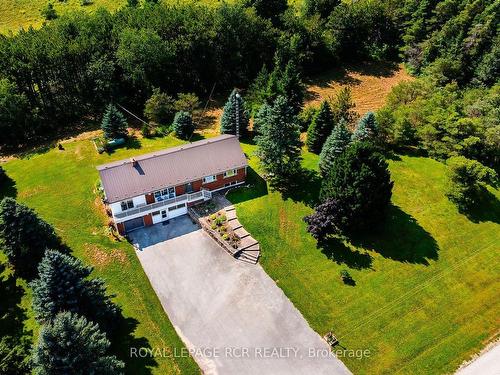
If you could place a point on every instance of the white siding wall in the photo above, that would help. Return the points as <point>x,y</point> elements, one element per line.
<point>117,207</point>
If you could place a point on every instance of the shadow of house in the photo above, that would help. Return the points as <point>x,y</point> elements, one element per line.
<point>125,345</point>
<point>256,187</point>
<point>399,237</point>
<point>303,187</point>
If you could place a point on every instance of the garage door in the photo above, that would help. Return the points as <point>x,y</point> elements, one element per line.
<point>133,224</point>
<point>178,210</point>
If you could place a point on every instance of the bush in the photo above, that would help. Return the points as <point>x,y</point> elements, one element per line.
<point>159,108</point>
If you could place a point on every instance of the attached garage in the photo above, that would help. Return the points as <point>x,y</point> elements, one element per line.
<point>178,210</point>
<point>133,224</point>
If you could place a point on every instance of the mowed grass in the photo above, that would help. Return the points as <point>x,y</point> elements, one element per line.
<point>59,185</point>
<point>426,283</point>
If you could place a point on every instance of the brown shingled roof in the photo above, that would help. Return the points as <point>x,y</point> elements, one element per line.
<point>170,167</point>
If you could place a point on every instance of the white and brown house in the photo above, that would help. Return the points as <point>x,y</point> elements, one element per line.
<point>155,187</point>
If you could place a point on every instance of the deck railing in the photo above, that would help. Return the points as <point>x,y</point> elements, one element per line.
<point>202,194</point>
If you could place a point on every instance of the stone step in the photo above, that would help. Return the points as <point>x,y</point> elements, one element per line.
<point>247,242</point>
<point>246,258</point>
<point>231,215</point>
<point>241,233</point>
<point>250,256</point>
<point>229,208</point>
<point>234,224</point>
<point>255,247</point>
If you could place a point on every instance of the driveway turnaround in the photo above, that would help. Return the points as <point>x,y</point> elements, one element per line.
<point>231,315</point>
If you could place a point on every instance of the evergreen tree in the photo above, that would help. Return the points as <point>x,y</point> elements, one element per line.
<point>279,144</point>
<point>183,125</point>
<point>24,237</point>
<point>320,128</point>
<point>359,185</point>
<point>291,87</point>
<point>366,129</point>
<point>113,123</point>
<point>63,285</point>
<point>234,113</point>
<point>335,145</point>
<point>72,345</point>
<point>159,108</point>
<point>261,118</point>
<point>343,106</point>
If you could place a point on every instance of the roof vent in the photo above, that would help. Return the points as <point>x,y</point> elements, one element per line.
<point>133,161</point>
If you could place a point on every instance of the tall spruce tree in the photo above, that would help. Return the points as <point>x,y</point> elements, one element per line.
<point>360,183</point>
<point>113,123</point>
<point>291,87</point>
<point>24,237</point>
<point>234,113</point>
<point>72,345</point>
<point>366,129</point>
<point>261,118</point>
<point>335,145</point>
<point>279,144</point>
<point>183,125</point>
<point>63,285</point>
<point>320,128</point>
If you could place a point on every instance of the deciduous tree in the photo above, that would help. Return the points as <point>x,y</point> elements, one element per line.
<point>159,108</point>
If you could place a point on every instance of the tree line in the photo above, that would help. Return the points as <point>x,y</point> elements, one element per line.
<point>55,77</point>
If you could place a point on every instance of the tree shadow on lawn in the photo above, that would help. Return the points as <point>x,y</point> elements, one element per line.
<point>399,238</point>
<point>12,316</point>
<point>335,250</point>
<point>486,208</point>
<point>127,347</point>
<point>303,187</point>
<point>7,187</point>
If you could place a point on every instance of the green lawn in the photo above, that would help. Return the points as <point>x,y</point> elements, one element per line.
<point>59,186</point>
<point>424,298</point>
<point>426,293</point>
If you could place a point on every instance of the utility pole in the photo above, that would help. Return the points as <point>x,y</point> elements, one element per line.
<point>237,108</point>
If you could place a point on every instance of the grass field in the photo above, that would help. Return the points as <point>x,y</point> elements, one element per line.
<point>15,14</point>
<point>426,283</point>
<point>59,185</point>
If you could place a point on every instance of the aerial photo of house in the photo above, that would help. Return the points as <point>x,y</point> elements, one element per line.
<point>249,187</point>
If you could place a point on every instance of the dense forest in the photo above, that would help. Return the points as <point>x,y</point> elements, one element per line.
<point>54,77</point>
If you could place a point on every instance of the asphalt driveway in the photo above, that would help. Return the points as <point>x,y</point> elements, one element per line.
<point>231,315</point>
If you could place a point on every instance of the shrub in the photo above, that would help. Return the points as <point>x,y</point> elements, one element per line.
<point>159,108</point>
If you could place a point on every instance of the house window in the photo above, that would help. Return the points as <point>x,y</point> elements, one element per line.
<point>189,187</point>
<point>164,194</point>
<point>230,173</point>
<point>208,179</point>
<point>156,213</point>
<point>127,205</point>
